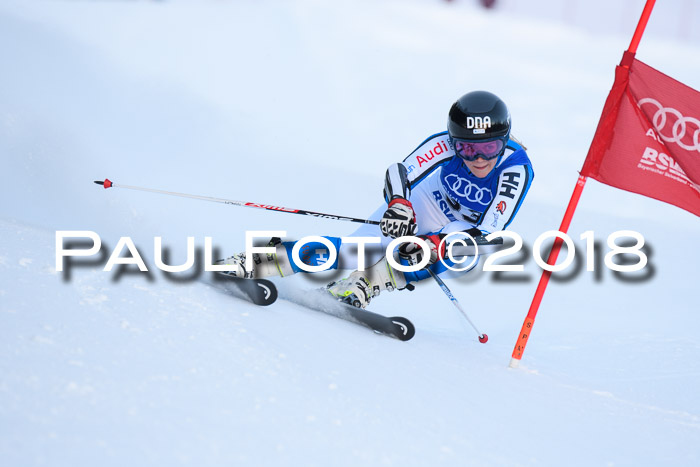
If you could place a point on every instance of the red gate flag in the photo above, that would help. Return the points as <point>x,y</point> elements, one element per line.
<point>627,153</point>
<point>648,137</point>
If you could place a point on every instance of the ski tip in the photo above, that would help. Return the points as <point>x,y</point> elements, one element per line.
<point>406,330</point>
<point>266,293</point>
<point>107,183</point>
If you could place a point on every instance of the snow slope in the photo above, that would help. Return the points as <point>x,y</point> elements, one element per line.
<point>304,103</point>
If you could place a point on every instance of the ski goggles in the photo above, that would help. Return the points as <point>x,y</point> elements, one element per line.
<point>470,150</point>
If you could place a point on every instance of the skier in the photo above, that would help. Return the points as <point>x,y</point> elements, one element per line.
<point>472,178</point>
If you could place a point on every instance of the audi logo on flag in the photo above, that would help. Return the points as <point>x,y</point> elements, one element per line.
<point>669,120</point>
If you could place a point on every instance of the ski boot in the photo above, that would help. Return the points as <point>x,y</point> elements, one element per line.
<point>360,287</point>
<point>262,265</point>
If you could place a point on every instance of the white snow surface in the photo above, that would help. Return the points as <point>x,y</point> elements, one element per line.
<point>304,104</point>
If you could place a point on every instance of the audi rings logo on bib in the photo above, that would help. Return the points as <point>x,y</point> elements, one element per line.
<point>468,190</point>
<point>674,127</point>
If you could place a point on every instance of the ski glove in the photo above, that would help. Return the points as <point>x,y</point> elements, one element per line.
<point>414,254</point>
<point>399,219</point>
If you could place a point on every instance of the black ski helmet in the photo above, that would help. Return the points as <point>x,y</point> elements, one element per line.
<point>478,116</point>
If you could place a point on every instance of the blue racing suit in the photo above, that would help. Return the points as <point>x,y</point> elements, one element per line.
<point>446,198</point>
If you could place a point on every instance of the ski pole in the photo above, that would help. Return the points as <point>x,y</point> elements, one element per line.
<point>483,338</point>
<point>107,183</point>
